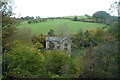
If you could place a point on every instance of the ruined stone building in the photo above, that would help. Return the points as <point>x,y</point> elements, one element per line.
<point>58,43</point>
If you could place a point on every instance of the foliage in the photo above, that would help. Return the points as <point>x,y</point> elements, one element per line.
<point>23,35</point>
<point>101,16</point>
<point>114,29</point>
<point>51,32</point>
<point>24,62</point>
<point>39,38</point>
<point>90,38</point>
<point>87,15</point>
<point>39,46</point>
<point>99,35</point>
<point>101,61</point>
<point>54,61</point>
<point>29,21</point>
<point>6,8</point>
<point>76,67</point>
<point>114,6</point>
<point>82,19</point>
<point>112,20</point>
<point>75,18</point>
<point>79,41</point>
<point>8,24</point>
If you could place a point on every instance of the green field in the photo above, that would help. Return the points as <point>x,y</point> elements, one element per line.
<point>73,26</point>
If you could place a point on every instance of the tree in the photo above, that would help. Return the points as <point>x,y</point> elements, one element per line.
<point>101,61</point>
<point>55,62</point>
<point>75,18</point>
<point>101,16</point>
<point>8,24</point>
<point>8,28</point>
<point>115,7</point>
<point>51,32</point>
<point>87,15</point>
<point>76,67</point>
<point>62,30</point>
<point>114,29</point>
<point>24,61</point>
<point>39,38</point>
<point>91,37</point>
<point>27,18</point>
<point>23,35</point>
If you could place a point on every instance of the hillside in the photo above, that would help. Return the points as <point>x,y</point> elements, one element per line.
<point>72,26</point>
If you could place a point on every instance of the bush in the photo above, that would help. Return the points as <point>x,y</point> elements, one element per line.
<point>99,35</point>
<point>76,67</point>
<point>39,38</point>
<point>39,46</point>
<point>30,21</point>
<point>114,29</point>
<point>24,62</point>
<point>54,62</point>
<point>75,18</point>
<point>101,61</point>
<point>23,35</point>
<point>60,65</point>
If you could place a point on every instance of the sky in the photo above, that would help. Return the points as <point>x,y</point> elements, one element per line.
<point>58,8</point>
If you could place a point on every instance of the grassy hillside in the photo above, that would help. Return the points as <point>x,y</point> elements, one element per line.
<point>73,26</point>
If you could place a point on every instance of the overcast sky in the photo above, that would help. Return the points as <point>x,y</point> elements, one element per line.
<point>56,8</point>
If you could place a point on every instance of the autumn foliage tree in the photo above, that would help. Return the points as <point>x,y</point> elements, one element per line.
<point>8,23</point>
<point>24,61</point>
<point>39,38</point>
<point>101,61</point>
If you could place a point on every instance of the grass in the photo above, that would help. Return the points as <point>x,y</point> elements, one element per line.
<point>73,26</point>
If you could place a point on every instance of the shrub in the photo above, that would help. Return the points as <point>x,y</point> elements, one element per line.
<point>39,46</point>
<point>30,21</point>
<point>39,38</point>
<point>114,29</point>
<point>75,18</point>
<point>101,61</point>
<point>99,35</point>
<point>76,67</point>
<point>24,62</point>
<point>23,35</point>
<point>54,62</point>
